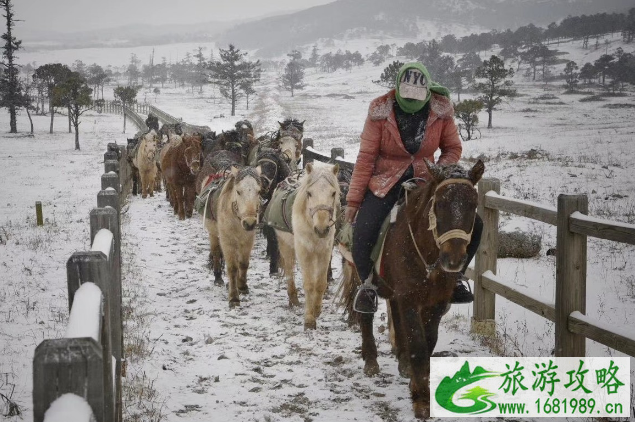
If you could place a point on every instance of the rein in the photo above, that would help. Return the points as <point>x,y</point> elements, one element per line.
<point>432,224</point>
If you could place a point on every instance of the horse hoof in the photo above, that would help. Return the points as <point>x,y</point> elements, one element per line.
<point>421,410</point>
<point>371,368</point>
<point>219,282</point>
<point>234,303</point>
<point>144,196</point>
<point>444,354</point>
<point>244,290</point>
<point>310,325</point>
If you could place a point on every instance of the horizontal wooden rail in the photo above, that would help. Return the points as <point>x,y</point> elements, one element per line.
<point>523,208</point>
<point>622,340</point>
<point>602,229</point>
<point>513,294</point>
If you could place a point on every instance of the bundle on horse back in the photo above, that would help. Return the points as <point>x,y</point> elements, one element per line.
<point>432,230</point>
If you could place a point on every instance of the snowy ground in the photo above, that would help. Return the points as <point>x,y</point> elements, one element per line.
<point>202,361</point>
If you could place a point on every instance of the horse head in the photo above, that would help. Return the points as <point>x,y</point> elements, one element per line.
<point>244,186</point>
<point>292,151</point>
<point>321,193</point>
<point>193,152</point>
<point>274,169</point>
<point>452,210</point>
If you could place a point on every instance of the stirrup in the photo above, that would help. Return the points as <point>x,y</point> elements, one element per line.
<point>366,301</point>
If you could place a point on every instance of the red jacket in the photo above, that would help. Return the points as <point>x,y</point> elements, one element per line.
<point>383,159</point>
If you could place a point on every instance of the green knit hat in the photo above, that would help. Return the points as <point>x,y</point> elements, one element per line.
<point>418,81</point>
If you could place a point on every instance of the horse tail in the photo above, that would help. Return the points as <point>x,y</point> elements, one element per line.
<point>348,284</point>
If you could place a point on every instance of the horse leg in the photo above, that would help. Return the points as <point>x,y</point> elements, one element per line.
<point>314,286</point>
<point>288,263</point>
<point>135,181</point>
<point>157,179</point>
<point>215,255</point>
<point>232,272</point>
<point>190,195</point>
<point>243,265</point>
<point>151,184</point>
<point>419,357</point>
<point>178,200</point>
<point>272,248</point>
<point>144,184</point>
<point>369,347</point>
<point>398,340</point>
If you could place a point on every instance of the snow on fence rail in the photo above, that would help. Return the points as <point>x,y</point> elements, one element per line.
<point>573,227</point>
<point>116,107</point>
<point>136,119</point>
<point>88,362</point>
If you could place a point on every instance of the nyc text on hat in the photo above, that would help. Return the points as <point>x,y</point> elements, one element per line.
<point>413,85</point>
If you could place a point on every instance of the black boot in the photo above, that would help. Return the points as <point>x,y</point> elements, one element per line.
<point>365,301</point>
<point>461,293</point>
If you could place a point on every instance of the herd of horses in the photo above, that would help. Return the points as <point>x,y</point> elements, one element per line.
<point>238,182</point>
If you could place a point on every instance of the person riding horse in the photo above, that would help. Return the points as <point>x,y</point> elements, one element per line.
<point>403,127</point>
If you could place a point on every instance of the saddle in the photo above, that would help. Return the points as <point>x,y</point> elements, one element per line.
<point>205,202</point>
<point>280,207</point>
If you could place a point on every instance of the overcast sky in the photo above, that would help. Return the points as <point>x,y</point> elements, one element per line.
<point>73,15</point>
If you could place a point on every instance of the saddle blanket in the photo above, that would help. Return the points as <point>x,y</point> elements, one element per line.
<point>280,207</point>
<point>206,200</point>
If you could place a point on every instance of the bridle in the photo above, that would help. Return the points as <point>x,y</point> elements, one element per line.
<point>323,207</point>
<point>432,224</point>
<point>264,176</point>
<point>249,172</point>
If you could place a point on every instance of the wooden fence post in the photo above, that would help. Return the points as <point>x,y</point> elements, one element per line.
<point>93,266</point>
<point>110,180</point>
<point>571,262</point>
<point>337,152</point>
<point>111,165</point>
<point>111,155</point>
<point>106,218</point>
<point>68,366</point>
<point>306,143</point>
<point>39,218</point>
<point>484,319</point>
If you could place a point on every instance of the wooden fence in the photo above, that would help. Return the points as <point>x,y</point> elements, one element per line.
<point>568,311</point>
<point>309,154</point>
<point>115,107</point>
<point>573,227</point>
<point>89,361</point>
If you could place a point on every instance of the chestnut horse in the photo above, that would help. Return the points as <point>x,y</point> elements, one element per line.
<point>180,165</point>
<point>431,232</point>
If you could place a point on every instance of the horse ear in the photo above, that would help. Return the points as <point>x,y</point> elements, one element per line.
<point>336,168</point>
<point>476,172</point>
<point>259,170</point>
<point>234,171</point>
<point>302,123</point>
<point>309,168</point>
<point>433,169</point>
<point>281,124</point>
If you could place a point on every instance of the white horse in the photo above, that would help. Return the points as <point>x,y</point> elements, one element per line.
<point>231,228</point>
<point>145,161</point>
<point>313,217</point>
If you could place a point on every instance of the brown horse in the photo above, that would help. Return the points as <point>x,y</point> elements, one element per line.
<point>180,165</point>
<point>423,252</point>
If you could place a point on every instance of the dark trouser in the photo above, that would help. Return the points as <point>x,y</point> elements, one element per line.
<point>370,217</point>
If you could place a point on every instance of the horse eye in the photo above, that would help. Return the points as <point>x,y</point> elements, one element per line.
<point>239,192</point>
<point>333,195</point>
<point>309,194</point>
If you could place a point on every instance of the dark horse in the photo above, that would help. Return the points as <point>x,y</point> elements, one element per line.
<point>274,169</point>
<point>423,252</point>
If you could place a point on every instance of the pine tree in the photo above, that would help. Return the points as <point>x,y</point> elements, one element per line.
<point>231,71</point>
<point>51,75</point>
<point>467,112</point>
<point>12,94</point>
<point>496,85</point>
<point>74,94</point>
<point>571,76</point>
<point>293,77</point>
<point>128,96</point>
<point>388,77</point>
